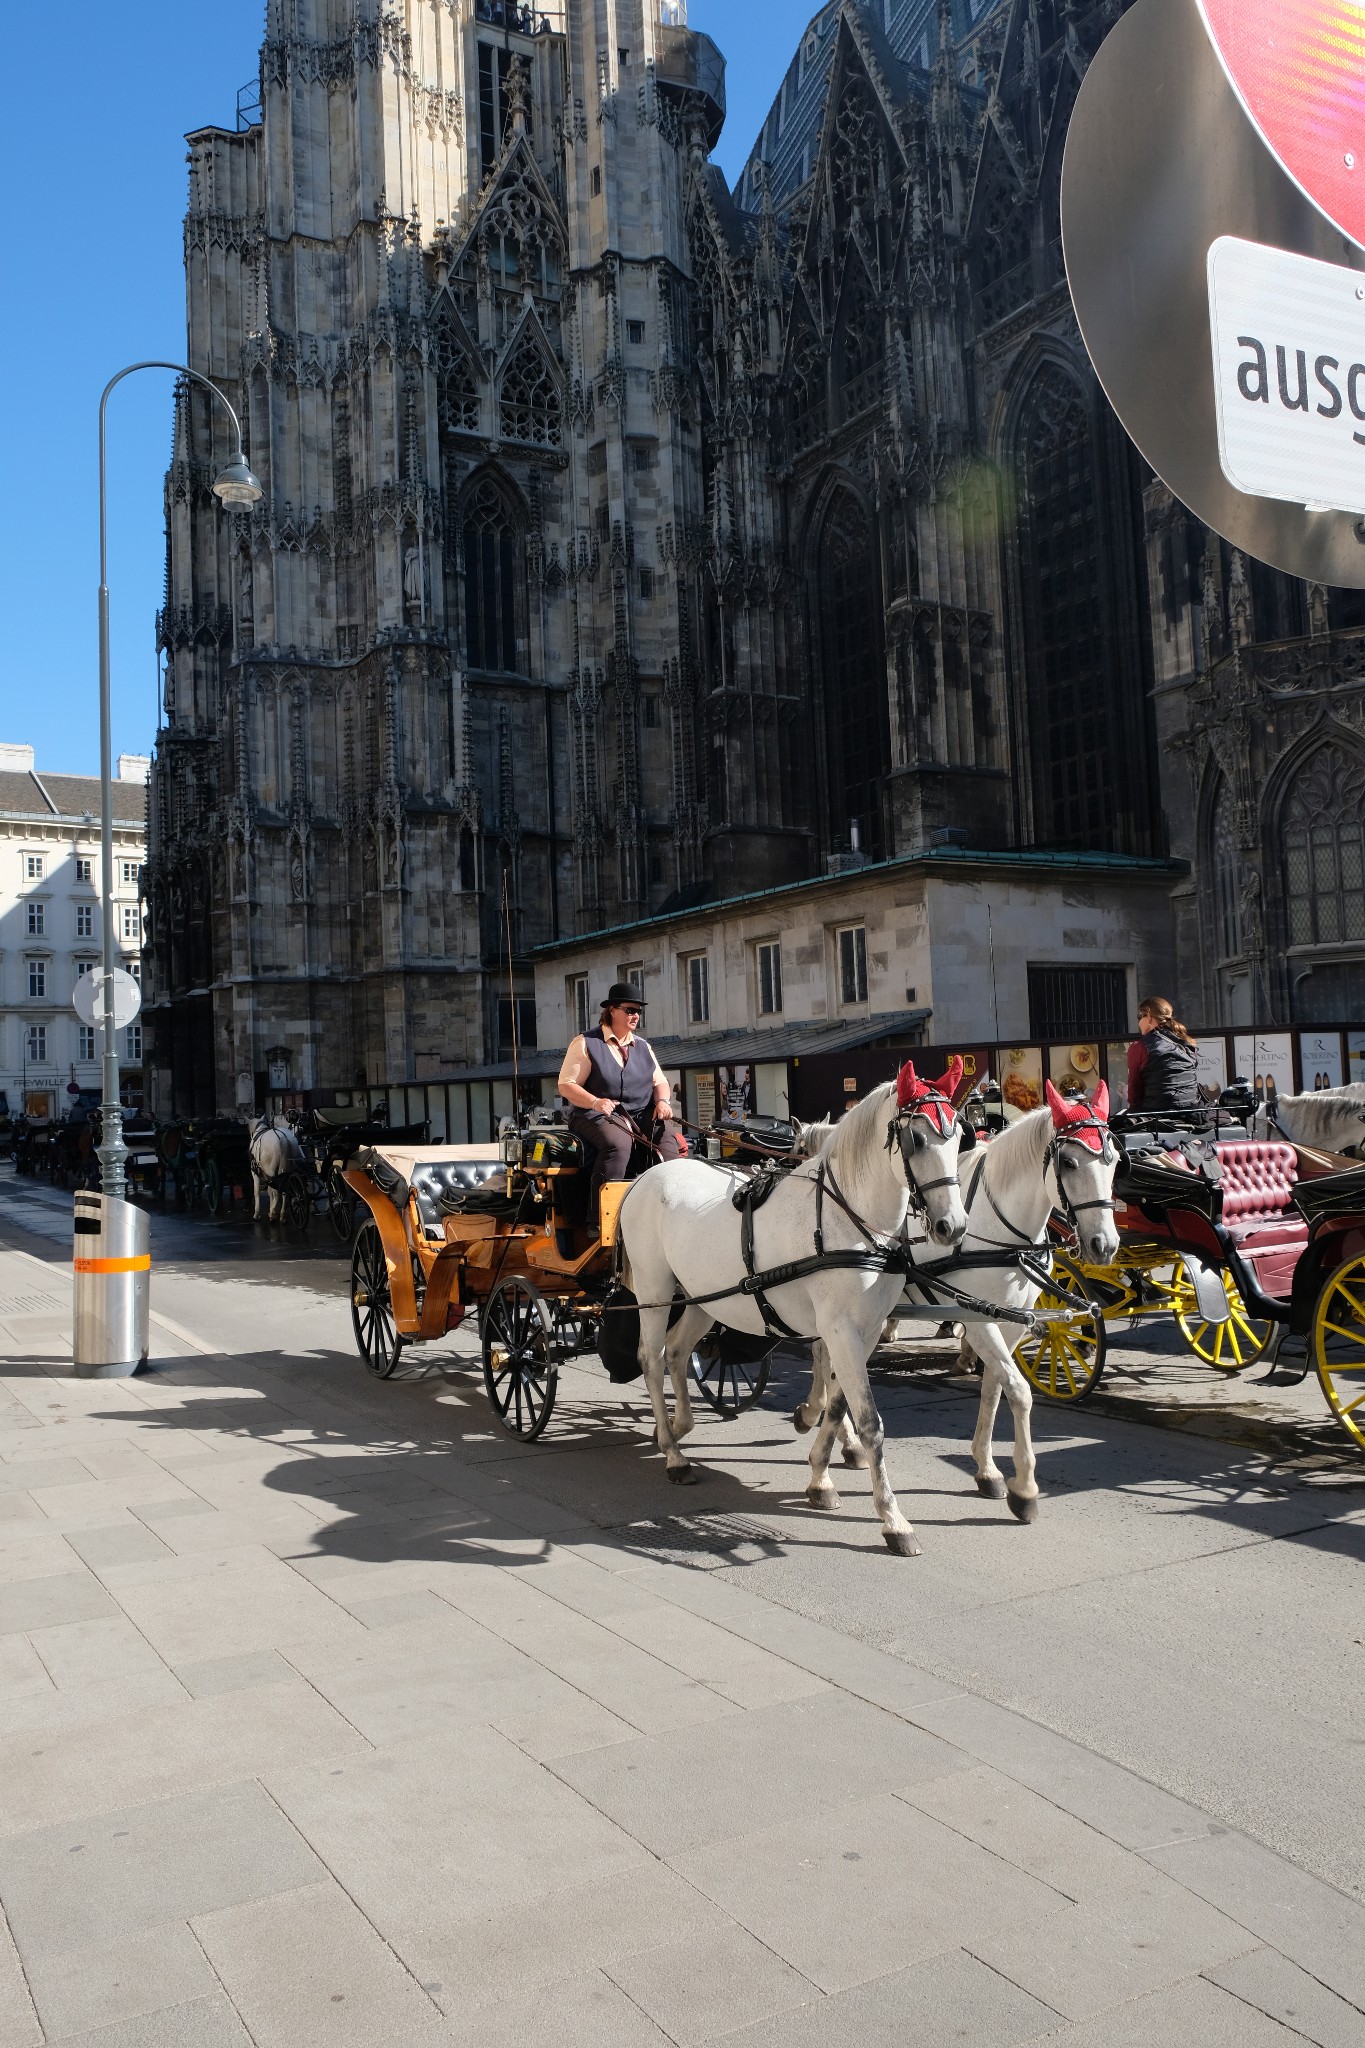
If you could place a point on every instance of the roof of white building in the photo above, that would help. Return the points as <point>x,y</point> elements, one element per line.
<point>71,797</point>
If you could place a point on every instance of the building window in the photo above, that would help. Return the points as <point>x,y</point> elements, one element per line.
<point>37,919</point>
<point>133,967</point>
<point>649,707</point>
<point>490,582</point>
<point>769,979</point>
<point>603,523</point>
<point>635,332</point>
<point>85,1042</point>
<point>37,977</point>
<point>1324,851</point>
<point>85,920</point>
<point>579,1008</point>
<point>642,455</point>
<point>130,874</point>
<point>857,729</point>
<point>35,1042</point>
<point>646,583</point>
<point>525,1018</point>
<point>84,870</point>
<point>698,970</point>
<point>852,942</point>
<point>132,1044</point>
<point>34,867</point>
<point>494,65</point>
<point>1066,1003</point>
<point>132,924</point>
<point>84,967</point>
<point>530,409</point>
<point>633,975</point>
<point>1227,879</point>
<point>1074,797</point>
<point>596,180</point>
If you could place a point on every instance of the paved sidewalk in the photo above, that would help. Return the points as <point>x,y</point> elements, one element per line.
<point>323,1720</point>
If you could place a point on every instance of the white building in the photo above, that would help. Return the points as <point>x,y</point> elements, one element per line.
<point>51,921</point>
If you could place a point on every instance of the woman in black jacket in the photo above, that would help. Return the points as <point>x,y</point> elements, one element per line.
<point>1163,1064</point>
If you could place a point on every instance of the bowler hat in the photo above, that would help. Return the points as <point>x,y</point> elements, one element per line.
<point>622,992</point>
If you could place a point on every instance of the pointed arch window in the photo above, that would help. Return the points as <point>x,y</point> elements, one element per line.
<point>1323,839</point>
<point>492,567</point>
<point>530,407</point>
<point>457,390</point>
<point>1074,783</point>
<point>860,349</point>
<point>857,726</point>
<point>1227,879</point>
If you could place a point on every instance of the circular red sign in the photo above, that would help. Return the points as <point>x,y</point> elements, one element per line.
<point>1298,67</point>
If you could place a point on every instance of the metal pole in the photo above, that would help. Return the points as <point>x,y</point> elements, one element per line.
<point>112,1151</point>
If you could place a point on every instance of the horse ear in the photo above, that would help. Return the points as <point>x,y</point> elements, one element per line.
<point>906,1083</point>
<point>948,1084</point>
<point>1056,1104</point>
<point>1099,1101</point>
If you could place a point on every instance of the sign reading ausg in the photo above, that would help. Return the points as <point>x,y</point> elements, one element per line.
<point>1289,374</point>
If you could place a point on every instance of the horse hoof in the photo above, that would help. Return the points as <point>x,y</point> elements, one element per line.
<point>901,1543</point>
<point>856,1457</point>
<point>991,1489</point>
<point>1022,1510</point>
<point>823,1497</point>
<point>682,1475</point>
<point>799,1423</point>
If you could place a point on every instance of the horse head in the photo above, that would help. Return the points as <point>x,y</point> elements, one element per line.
<point>927,1130</point>
<point>1085,1159</point>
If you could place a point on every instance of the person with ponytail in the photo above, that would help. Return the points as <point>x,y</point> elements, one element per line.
<point>1163,1063</point>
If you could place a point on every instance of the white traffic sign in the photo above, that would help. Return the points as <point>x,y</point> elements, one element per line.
<point>1289,375</point>
<point>88,999</point>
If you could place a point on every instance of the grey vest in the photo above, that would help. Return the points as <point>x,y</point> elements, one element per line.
<point>631,1085</point>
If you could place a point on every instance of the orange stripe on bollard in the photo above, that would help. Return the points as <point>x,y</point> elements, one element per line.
<point>142,1264</point>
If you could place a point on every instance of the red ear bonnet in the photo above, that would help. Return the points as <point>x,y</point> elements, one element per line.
<point>1087,1115</point>
<point>908,1085</point>
<point>933,1098</point>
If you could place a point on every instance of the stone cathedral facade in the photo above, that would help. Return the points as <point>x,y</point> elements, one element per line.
<point>630,542</point>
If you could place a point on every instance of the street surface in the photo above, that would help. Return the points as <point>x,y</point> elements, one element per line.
<point>328,1715</point>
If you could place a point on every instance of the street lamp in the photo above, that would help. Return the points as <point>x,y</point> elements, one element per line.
<point>235,485</point>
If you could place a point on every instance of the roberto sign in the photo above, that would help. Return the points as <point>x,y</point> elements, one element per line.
<point>1298,67</point>
<point>1289,374</point>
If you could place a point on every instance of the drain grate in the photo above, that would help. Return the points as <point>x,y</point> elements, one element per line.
<point>29,1304</point>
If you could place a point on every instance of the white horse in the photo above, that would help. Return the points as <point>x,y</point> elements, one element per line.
<point>679,1229</point>
<point>1332,1119</point>
<point>1061,1157</point>
<point>275,1151</point>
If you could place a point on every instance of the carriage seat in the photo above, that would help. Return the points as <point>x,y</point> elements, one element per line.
<point>440,1176</point>
<point>1258,1181</point>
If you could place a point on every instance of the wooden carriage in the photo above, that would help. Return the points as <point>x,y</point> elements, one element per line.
<point>504,1232</point>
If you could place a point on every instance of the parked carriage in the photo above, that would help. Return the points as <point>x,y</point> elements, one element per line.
<point>1256,1246</point>
<point>504,1232</point>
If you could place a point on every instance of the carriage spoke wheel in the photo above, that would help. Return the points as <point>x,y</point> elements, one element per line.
<point>1230,1346</point>
<point>213,1187</point>
<point>727,1386</point>
<point>298,1202</point>
<point>520,1358</point>
<point>1339,1347</point>
<point>376,1334</point>
<point>341,1208</point>
<point>1063,1360</point>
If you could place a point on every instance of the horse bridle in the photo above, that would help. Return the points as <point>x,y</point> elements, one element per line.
<point>938,1111</point>
<point>1105,1150</point>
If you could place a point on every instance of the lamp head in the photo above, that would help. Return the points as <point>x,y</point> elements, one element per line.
<point>236,484</point>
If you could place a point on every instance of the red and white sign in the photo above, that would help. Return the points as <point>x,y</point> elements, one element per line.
<point>1298,67</point>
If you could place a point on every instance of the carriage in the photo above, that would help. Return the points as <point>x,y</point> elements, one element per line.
<point>504,1233</point>
<point>1255,1245</point>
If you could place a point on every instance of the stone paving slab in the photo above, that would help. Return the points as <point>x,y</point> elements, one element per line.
<point>326,1717</point>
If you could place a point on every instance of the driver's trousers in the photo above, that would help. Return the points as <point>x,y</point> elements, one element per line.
<point>612,1142</point>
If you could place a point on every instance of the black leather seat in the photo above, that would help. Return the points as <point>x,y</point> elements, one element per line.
<point>441,1186</point>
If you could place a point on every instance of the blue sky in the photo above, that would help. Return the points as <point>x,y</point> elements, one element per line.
<point>93,158</point>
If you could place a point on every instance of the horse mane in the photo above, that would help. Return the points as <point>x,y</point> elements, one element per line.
<point>855,1143</point>
<point>1027,1136</point>
<point>1326,1118</point>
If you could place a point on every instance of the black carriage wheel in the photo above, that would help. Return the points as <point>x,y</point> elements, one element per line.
<point>213,1187</point>
<point>341,1208</point>
<point>726,1385</point>
<point>376,1334</point>
<point>520,1358</point>
<point>298,1202</point>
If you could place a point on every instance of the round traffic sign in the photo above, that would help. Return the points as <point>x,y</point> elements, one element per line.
<point>88,999</point>
<point>1298,67</point>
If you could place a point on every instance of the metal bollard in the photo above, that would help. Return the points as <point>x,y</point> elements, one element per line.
<point>113,1273</point>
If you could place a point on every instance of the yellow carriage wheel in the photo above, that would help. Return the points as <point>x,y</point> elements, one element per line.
<point>1339,1346</point>
<point>1230,1346</point>
<point>1063,1360</point>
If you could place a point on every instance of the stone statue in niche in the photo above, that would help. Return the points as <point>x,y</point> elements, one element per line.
<point>245,593</point>
<point>412,575</point>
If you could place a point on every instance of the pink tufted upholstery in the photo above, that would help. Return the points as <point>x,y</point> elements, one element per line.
<point>1258,1185</point>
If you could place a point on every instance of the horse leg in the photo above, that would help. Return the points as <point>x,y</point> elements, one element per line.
<point>653,1343</point>
<point>809,1411</point>
<point>258,1194</point>
<point>820,1490</point>
<point>685,1334</point>
<point>990,1480</point>
<point>1001,1367</point>
<point>851,1370</point>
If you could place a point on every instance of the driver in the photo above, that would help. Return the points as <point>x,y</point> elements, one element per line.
<point>611,1079</point>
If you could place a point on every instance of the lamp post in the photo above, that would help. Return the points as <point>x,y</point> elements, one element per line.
<point>234,485</point>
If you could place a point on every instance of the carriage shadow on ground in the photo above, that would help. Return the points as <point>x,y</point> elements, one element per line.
<point>415,1470</point>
